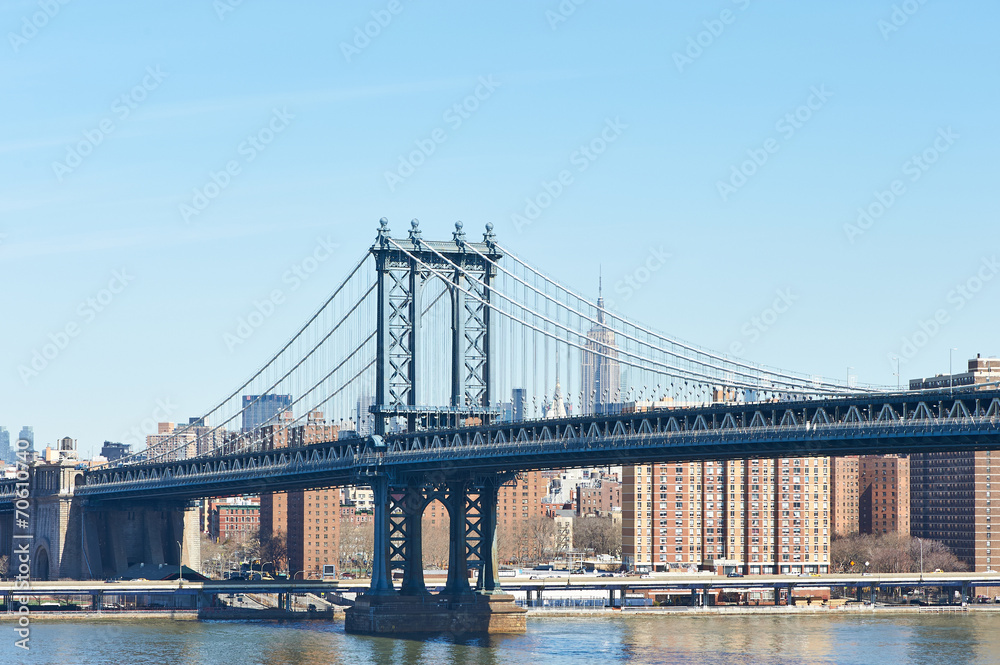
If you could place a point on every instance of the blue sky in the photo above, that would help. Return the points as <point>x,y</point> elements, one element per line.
<point>829,102</point>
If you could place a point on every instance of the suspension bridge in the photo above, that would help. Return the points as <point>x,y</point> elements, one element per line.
<point>438,370</point>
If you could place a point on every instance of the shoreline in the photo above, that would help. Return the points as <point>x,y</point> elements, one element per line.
<point>561,613</point>
<point>639,612</point>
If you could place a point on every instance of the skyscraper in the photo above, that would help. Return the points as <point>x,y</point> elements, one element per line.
<point>602,375</point>
<point>6,452</point>
<point>28,434</point>
<point>261,409</point>
<point>517,401</point>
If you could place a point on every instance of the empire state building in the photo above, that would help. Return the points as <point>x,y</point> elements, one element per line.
<point>602,375</point>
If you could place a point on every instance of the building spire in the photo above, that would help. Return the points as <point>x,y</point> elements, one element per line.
<point>600,294</point>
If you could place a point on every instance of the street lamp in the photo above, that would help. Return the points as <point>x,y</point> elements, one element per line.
<point>180,562</point>
<point>951,377</point>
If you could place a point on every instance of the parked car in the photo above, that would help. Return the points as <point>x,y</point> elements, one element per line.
<point>735,573</point>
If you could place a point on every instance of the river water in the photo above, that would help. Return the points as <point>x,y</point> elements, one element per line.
<point>931,639</point>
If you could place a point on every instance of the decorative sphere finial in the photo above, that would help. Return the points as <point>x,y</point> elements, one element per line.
<point>384,222</point>
<point>458,226</point>
<point>414,223</point>
<point>489,227</point>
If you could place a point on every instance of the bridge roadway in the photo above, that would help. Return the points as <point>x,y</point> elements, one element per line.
<point>659,581</point>
<point>905,422</point>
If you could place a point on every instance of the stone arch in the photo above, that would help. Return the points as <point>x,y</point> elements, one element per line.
<point>40,564</point>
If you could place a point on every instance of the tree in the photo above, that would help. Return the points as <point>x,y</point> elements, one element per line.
<point>890,553</point>
<point>357,546</point>
<point>540,535</point>
<point>275,548</point>
<point>600,534</point>
<point>435,544</point>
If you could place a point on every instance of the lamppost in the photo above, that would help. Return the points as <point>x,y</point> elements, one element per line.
<point>297,572</point>
<point>180,562</point>
<point>951,377</point>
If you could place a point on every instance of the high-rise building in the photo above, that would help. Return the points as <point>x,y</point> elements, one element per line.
<point>364,419</point>
<point>884,504</point>
<point>261,409</point>
<point>756,516</point>
<point>27,434</point>
<point>309,519</point>
<point>950,501</point>
<point>845,495</point>
<point>170,444</point>
<point>601,373</point>
<point>950,492</point>
<point>517,402</point>
<point>7,454</point>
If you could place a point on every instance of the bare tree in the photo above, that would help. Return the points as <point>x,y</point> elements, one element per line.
<point>890,553</point>
<point>275,548</point>
<point>435,545</point>
<point>600,534</point>
<point>357,546</point>
<point>540,533</point>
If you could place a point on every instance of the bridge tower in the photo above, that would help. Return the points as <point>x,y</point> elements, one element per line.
<point>404,269</point>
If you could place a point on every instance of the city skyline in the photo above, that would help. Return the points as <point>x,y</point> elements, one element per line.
<point>748,182</point>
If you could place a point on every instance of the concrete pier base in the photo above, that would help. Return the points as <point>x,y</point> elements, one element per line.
<point>466,614</point>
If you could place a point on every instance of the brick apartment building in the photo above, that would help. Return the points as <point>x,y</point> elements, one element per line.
<point>884,503</point>
<point>756,516</point>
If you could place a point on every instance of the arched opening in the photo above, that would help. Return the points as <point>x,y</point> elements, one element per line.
<point>436,536</point>
<point>40,565</point>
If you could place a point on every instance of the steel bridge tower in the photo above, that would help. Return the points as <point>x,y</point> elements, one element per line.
<point>404,269</point>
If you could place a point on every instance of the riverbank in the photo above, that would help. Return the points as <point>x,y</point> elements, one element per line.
<point>208,614</point>
<point>813,610</point>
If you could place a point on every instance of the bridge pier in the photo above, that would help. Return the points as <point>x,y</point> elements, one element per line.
<point>471,503</point>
